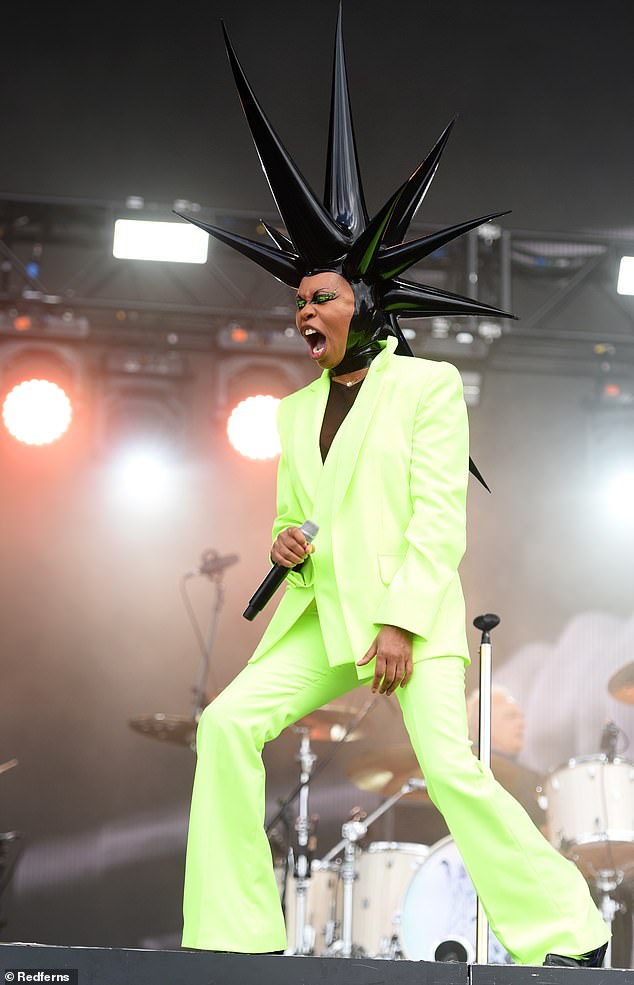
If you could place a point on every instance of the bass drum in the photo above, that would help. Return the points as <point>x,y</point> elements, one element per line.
<point>440,905</point>
<point>385,870</point>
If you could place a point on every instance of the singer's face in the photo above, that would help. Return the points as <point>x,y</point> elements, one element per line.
<point>325,306</point>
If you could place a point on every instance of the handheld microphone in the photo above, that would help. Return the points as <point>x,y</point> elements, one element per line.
<point>276,576</point>
<point>212,564</point>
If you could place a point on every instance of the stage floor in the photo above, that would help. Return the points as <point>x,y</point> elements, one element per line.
<point>31,963</point>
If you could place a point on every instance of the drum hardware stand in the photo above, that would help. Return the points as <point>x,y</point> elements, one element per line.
<point>606,883</point>
<point>350,728</point>
<point>354,831</point>
<point>485,623</point>
<point>302,871</point>
<point>302,864</point>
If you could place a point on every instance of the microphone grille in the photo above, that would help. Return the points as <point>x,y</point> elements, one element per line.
<point>309,529</point>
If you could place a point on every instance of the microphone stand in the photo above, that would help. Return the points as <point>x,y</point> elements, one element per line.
<point>485,623</point>
<point>206,645</point>
<point>199,690</point>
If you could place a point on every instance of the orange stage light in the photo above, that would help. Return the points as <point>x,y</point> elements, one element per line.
<point>37,412</point>
<point>252,429</point>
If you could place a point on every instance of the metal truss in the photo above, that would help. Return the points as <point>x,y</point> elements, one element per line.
<point>58,279</point>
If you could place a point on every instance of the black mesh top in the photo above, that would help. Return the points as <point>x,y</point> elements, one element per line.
<point>340,400</point>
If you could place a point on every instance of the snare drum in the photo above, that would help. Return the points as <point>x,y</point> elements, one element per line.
<point>590,813</point>
<point>440,905</point>
<point>323,902</point>
<point>385,869</point>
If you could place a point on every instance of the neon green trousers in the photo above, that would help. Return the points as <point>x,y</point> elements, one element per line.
<point>536,901</point>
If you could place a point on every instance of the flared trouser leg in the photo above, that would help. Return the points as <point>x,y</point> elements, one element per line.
<point>231,899</point>
<point>536,901</point>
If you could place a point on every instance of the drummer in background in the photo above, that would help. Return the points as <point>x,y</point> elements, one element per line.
<point>507,721</point>
<point>507,742</point>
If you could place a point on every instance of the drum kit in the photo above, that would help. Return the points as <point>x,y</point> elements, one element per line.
<point>391,899</point>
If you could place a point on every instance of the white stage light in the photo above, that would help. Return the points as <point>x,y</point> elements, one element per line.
<point>144,239</point>
<point>619,494</point>
<point>625,283</point>
<point>252,429</point>
<point>142,477</point>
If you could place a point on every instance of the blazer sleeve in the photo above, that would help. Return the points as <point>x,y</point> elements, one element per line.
<point>436,532</point>
<point>288,508</point>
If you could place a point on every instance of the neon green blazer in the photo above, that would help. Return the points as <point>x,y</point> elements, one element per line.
<point>390,502</point>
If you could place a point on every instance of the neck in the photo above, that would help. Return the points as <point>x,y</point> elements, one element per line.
<point>349,379</point>
<point>357,359</point>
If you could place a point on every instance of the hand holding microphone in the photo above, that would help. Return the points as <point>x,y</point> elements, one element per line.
<point>290,550</point>
<point>291,547</point>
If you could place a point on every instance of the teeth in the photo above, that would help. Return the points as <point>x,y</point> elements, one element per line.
<point>310,331</point>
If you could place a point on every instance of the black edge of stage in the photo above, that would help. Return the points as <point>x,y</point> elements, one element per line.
<point>118,966</point>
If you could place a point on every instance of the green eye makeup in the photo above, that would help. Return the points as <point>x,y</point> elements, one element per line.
<point>318,298</point>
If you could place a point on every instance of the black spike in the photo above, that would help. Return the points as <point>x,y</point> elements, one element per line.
<point>343,195</point>
<point>286,267</point>
<point>280,240</point>
<point>361,257</point>
<point>409,300</point>
<point>393,261</point>
<point>316,236</point>
<point>415,190</point>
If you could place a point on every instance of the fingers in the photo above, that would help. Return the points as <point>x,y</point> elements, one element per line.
<point>291,548</point>
<point>368,657</point>
<point>379,671</point>
<point>409,670</point>
<point>394,674</point>
<point>390,672</point>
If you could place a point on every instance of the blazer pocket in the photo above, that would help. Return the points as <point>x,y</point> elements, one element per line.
<point>389,565</point>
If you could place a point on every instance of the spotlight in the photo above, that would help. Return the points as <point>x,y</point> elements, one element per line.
<point>38,387</point>
<point>36,412</point>
<point>252,429</point>
<point>143,239</point>
<point>619,496</point>
<point>625,284</point>
<point>142,476</point>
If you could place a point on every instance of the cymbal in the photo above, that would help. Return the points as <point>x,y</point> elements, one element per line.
<point>328,724</point>
<point>385,771</point>
<point>177,729</point>
<point>621,684</point>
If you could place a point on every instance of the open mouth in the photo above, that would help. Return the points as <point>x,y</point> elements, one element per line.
<point>317,343</point>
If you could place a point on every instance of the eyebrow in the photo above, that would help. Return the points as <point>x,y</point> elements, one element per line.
<point>318,290</point>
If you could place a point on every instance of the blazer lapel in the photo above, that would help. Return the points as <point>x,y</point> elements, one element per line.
<point>306,429</point>
<point>361,414</point>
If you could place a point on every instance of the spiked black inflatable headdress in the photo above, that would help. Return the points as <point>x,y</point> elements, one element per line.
<point>339,235</point>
